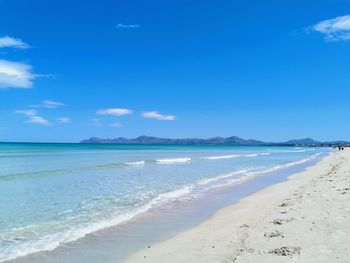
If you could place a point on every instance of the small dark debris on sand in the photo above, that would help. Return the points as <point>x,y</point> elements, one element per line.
<point>284,204</point>
<point>274,234</point>
<point>286,251</point>
<point>280,221</point>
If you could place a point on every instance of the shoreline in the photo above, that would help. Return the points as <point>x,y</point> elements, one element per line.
<point>268,225</point>
<point>116,243</point>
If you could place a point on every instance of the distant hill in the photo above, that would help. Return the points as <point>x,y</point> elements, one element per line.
<point>190,141</point>
<point>233,140</point>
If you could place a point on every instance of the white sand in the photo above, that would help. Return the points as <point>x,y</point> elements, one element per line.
<point>305,219</point>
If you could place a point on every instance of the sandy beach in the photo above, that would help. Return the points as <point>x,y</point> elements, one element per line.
<point>304,219</point>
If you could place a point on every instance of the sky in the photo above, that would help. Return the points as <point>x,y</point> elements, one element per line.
<point>269,70</point>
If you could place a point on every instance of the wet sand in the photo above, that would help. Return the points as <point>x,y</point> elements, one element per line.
<point>304,219</point>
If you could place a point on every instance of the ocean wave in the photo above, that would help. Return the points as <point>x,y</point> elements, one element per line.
<point>90,168</point>
<point>256,154</point>
<point>52,241</point>
<point>251,155</point>
<point>249,175</point>
<point>71,170</point>
<point>251,172</point>
<point>221,157</point>
<point>287,165</point>
<point>60,171</point>
<point>173,160</point>
<point>121,165</point>
<point>224,176</point>
<point>139,163</point>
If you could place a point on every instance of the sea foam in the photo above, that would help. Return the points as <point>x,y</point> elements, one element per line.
<point>221,157</point>
<point>113,193</point>
<point>173,160</point>
<point>139,163</point>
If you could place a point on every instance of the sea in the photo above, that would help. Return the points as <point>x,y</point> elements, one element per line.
<point>55,194</point>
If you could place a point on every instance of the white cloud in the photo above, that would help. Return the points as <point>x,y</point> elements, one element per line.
<point>131,26</point>
<point>38,120</point>
<point>12,43</point>
<point>335,29</point>
<point>33,117</point>
<point>156,115</point>
<point>63,120</point>
<point>26,112</point>
<point>15,75</point>
<point>114,112</point>
<point>49,104</point>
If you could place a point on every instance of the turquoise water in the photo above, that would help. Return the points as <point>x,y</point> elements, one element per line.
<point>56,193</point>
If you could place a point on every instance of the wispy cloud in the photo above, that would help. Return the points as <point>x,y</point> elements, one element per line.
<point>63,120</point>
<point>49,104</point>
<point>33,117</point>
<point>335,29</point>
<point>116,124</point>
<point>10,42</point>
<point>38,120</point>
<point>156,115</point>
<point>130,26</point>
<point>114,112</point>
<point>26,112</point>
<point>16,75</point>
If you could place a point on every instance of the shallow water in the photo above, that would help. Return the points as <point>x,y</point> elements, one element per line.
<point>53,194</point>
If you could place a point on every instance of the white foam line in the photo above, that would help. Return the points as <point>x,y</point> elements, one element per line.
<point>49,243</point>
<point>173,160</point>
<point>255,154</point>
<point>139,163</point>
<point>249,173</point>
<point>251,155</point>
<point>221,157</point>
<point>277,167</point>
<point>223,176</point>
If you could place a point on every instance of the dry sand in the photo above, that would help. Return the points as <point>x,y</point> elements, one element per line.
<point>305,219</point>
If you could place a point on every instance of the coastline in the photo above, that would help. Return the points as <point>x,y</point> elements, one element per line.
<point>116,243</point>
<point>288,221</point>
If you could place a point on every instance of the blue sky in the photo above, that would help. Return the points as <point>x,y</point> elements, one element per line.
<point>270,70</point>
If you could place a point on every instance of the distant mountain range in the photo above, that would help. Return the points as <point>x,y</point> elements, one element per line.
<point>234,140</point>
